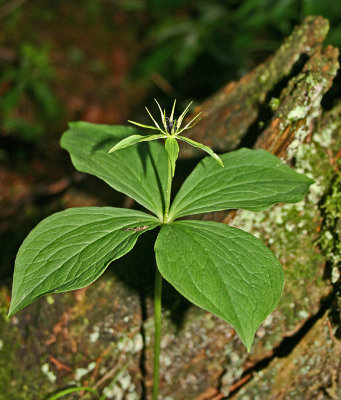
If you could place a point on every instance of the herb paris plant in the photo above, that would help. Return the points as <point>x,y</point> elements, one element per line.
<point>220,268</point>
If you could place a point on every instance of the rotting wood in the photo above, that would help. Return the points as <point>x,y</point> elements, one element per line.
<point>229,114</point>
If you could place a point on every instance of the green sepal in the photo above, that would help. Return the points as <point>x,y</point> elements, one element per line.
<point>203,147</point>
<point>133,139</point>
<point>172,148</point>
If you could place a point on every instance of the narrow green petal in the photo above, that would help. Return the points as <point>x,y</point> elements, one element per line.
<point>143,126</point>
<point>153,119</point>
<point>163,117</point>
<point>193,119</point>
<point>191,126</point>
<point>207,149</point>
<point>165,123</point>
<point>174,128</point>
<point>191,123</point>
<point>172,114</point>
<point>182,116</point>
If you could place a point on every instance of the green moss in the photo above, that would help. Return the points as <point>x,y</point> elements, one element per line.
<point>274,103</point>
<point>21,377</point>
<point>56,328</point>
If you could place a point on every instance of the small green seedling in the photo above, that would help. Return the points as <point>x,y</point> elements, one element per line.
<point>219,268</point>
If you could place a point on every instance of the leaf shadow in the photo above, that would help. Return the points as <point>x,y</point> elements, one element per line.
<point>104,145</point>
<point>137,271</point>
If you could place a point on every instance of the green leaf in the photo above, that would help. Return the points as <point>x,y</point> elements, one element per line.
<point>172,149</point>
<point>252,180</point>
<point>71,249</point>
<point>223,270</point>
<point>138,171</point>
<point>134,139</point>
<point>207,149</point>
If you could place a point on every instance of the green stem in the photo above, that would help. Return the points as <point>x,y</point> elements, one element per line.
<point>157,335</point>
<point>157,297</point>
<point>74,390</point>
<point>168,191</point>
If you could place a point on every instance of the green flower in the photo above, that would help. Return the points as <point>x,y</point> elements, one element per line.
<point>171,126</point>
<point>170,132</point>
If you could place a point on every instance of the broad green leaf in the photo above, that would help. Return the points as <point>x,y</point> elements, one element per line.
<point>200,146</point>
<point>138,171</point>
<point>172,149</point>
<point>134,139</point>
<point>223,270</point>
<point>251,179</point>
<point>71,249</point>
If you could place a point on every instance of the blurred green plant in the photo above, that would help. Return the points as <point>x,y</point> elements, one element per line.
<point>219,40</point>
<point>27,101</point>
<point>71,390</point>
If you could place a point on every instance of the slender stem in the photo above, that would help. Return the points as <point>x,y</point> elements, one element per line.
<point>168,191</point>
<point>157,297</point>
<point>157,337</point>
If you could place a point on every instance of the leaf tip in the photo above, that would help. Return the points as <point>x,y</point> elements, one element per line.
<point>247,341</point>
<point>12,310</point>
<point>218,159</point>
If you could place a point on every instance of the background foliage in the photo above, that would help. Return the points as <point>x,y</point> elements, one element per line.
<point>162,44</point>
